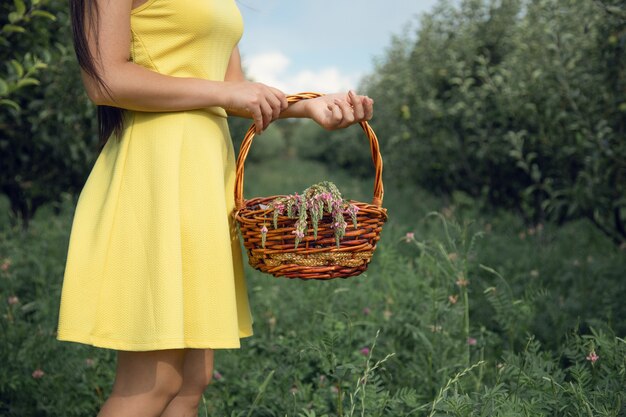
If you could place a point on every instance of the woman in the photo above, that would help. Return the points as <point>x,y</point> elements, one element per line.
<point>154,267</point>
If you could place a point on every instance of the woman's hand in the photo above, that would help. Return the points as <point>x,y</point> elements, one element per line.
<point>262,103</point>
<point>336,111</point>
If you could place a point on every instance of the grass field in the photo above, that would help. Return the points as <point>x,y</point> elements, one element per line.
<point>463,312</point>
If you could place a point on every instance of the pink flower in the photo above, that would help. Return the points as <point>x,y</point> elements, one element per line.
<point>264,229</point>
<point>461,281</point>
<point>5,265</point>
<point>12,300</point>
<point>38,373</point>
<point>216,375</point>
<point>592,357</point>
<point>471,341</point>
<point>365,351</point>
<point>352,209</point>
<point>409,237</point>
<point>366,311</point>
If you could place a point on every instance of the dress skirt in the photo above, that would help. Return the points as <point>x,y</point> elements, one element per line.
<point>154,260</point>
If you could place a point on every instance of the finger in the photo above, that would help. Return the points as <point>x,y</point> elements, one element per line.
<point>368,107</point>
<point>336,115</point>
<point>257,116</point>
<point>281,97</point>
<point>275,104</point>
<point>267,112</point>
<point>347,113</point>
<point>357,106</point>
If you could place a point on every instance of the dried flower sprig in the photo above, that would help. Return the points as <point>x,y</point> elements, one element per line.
<point>314,202</point>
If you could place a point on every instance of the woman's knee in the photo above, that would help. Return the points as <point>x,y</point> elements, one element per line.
<point>158,374</point>
<point>198,370</point>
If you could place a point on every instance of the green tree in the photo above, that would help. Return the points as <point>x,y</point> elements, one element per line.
<point>20,67</point>
<point>521,102</point>
<point>47,131</point>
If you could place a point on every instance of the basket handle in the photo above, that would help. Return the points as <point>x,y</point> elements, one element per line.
<point>369,132</point>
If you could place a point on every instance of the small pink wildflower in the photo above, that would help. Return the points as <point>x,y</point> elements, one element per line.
<point>592,357</point>
<point>216,375</point>
<point>472,341</point>
<point>38,373</point>
<point>298,233</point>
<point>409,237</point>
<point>264,229</point>
<point>365,351</point>
<point>12,300</point>
<point>5,265</point>
<point>461,281</point>
<point>366,311</point>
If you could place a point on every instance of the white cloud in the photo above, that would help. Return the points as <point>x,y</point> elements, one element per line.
<point>272,68</point>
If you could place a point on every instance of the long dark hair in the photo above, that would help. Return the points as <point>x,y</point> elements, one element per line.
<point>85,15</point>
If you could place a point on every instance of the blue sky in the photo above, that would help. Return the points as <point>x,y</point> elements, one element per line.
<point>320,45</point>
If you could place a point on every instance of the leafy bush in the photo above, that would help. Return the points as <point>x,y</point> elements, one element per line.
<point>47,132</point>
<point>519,102</point>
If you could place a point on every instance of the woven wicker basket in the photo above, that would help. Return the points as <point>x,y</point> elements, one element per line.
<point>317,258</point>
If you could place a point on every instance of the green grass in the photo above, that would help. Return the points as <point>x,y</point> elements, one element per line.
<point>536,304</point>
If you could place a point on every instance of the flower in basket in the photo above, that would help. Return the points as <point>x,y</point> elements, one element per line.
<point>315,202</point>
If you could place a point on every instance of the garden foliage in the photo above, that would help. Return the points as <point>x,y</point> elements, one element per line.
<point>521,103</point>
<point>452,318</point>
<point>47,124</point>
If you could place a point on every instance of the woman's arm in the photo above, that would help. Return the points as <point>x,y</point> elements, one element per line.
<point>332,111</point>
<point>134,87</point>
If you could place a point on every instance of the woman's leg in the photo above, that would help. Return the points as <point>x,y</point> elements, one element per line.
<point>198,370</point>
<point>145,383</point>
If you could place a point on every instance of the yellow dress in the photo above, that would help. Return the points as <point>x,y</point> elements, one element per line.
<point>154,260</point>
